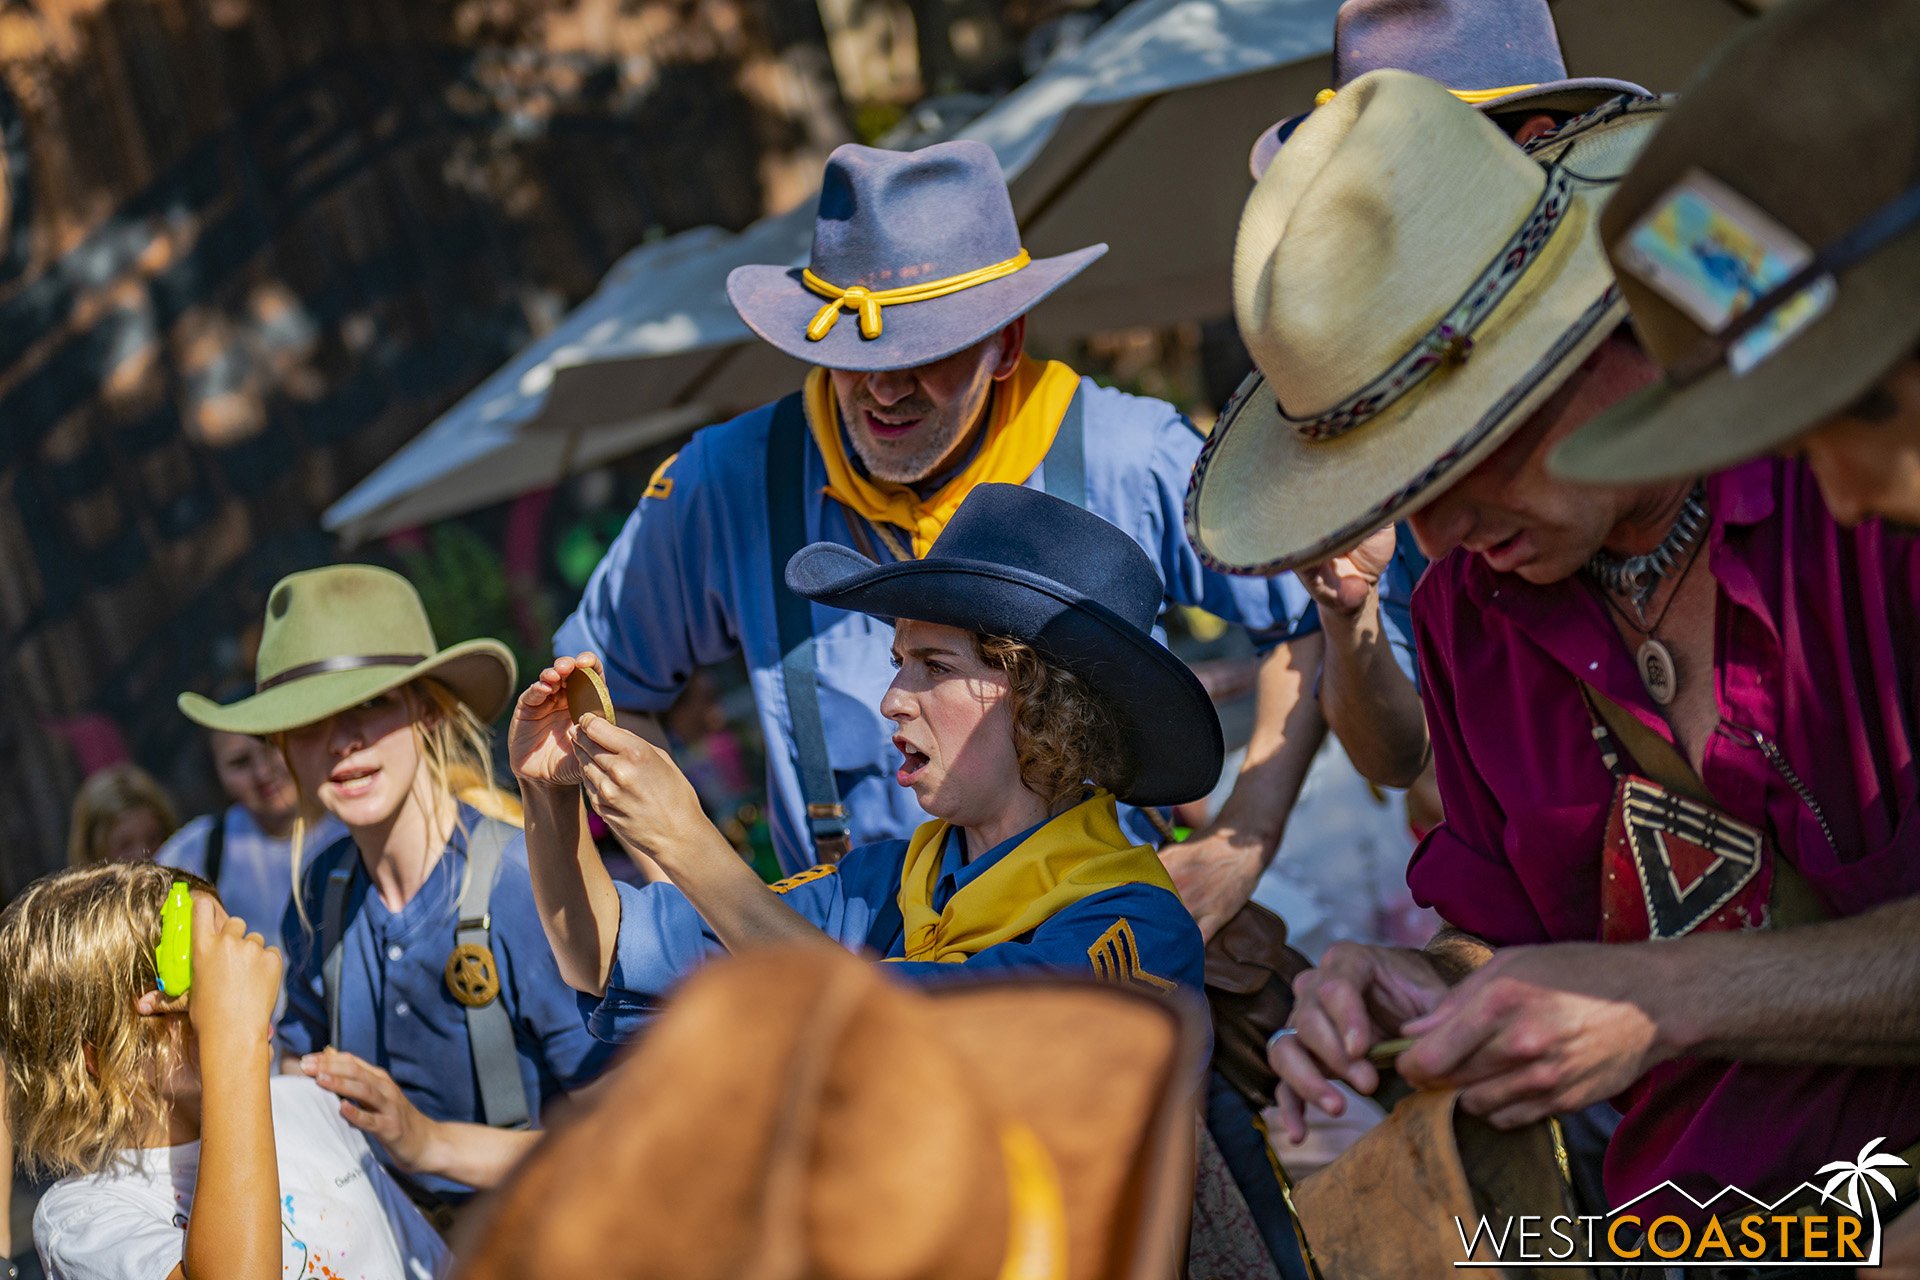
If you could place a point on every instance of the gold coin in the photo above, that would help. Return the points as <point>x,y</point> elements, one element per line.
<point>586,691</point>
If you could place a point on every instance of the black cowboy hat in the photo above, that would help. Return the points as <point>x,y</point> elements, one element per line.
<point>1018,562</point>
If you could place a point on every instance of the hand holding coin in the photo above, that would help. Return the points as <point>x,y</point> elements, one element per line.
<point>586,691</point>
<point>541,735</point>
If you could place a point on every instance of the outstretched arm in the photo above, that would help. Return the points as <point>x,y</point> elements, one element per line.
<point>233,1231</point>
<point>1540,1030</point>
<point>579,907</point>
<point>653,810</point>
<point>1215,872</point>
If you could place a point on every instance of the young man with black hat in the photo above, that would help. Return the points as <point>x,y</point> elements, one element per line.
<point>912,312</point>
<point>1029,698</point>
<point>1652,715</point>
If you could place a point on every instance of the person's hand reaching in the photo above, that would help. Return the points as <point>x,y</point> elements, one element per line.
<point>540,734</point>
<point>373,1103</point>
<point>641,794</point>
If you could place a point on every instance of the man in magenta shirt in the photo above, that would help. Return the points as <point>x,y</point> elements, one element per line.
<point>1729,618</point>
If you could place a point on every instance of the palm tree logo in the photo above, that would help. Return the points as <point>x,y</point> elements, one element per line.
<point>1859,1175</point>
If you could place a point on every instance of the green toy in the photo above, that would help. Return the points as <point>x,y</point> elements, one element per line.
<point>174,956</point>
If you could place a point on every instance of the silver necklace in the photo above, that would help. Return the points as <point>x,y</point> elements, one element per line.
<point>1638,578</point>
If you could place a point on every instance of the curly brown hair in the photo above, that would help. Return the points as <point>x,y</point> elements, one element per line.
<point>1065,732</point>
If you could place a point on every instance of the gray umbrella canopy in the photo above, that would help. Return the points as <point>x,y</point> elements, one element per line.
<point>1138,138</point>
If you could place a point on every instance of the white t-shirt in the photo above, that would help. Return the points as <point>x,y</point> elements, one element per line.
<point>342,1216</point>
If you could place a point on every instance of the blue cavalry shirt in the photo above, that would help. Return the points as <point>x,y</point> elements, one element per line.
<point>689,581</point>
<point>1137,933</point>
<point>395,1009</point>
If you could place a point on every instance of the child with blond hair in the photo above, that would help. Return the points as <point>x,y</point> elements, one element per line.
<point>178,1153</point>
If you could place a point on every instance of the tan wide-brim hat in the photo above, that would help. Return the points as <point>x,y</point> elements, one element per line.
<point>335,637</point>
<point>798,1113</point>
<point>1811,117</point>
<point>1412,287</point>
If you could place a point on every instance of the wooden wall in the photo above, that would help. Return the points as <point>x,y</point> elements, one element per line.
<point>249,247</point>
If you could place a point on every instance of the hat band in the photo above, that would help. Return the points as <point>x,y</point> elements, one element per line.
<point>1450,342</point>
<point>1472,97</point>
<point>349,663</point>
<point>1891,220</point>
<point>857,297</point>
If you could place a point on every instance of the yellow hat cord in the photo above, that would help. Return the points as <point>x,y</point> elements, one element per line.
<point>869,301</point>
<point>1472,97</point>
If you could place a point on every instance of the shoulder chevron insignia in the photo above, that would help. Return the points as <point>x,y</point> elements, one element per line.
<point>1116,958</point>
<point>799,878</point>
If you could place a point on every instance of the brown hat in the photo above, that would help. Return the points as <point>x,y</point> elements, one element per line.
<point>1789,173</point>
<point>796,1114</point>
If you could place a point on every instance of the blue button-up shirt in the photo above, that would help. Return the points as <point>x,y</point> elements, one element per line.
<point>256,869</point>
<point>395,1009</point>
<point>689,582</point>
<point>1132,932</point>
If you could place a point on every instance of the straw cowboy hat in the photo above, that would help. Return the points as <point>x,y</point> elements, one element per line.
<point>1411,286</point>
<point>1801,137</point>
<point>1018,562</point>
<point>915,256</point>
<point>1502,56</point>
<point>337,636</point>
<point>795,1114</point>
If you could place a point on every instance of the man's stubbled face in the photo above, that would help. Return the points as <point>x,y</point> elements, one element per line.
<point>910,424</point>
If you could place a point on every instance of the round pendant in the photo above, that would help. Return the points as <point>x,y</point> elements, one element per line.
<point>1657,671</point>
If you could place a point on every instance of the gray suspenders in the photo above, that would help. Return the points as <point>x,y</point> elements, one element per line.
<point>826,817</point>
<point>496,1062</point>
<point>1064,475</point>
<point>1064,471</point>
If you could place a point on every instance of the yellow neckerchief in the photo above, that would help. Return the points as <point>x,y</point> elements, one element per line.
<point>1076,855</point>
<point>1026,413</point>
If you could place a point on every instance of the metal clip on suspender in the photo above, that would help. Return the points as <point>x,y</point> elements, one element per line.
<point>472,975</point>
<point>1065,475</point>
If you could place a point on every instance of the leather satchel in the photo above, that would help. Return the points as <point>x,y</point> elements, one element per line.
<point>1395,1204</point>
<point>1249,979</point>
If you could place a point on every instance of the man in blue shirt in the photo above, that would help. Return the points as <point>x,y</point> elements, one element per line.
<point>912,312</point>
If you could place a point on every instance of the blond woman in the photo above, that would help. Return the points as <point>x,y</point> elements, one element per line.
<point>420,987</point>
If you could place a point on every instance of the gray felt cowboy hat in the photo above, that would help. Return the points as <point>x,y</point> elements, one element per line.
<point>337,636</point>
<point>915,256</point>
<point>1498,55</point>
<point>1801,139</point>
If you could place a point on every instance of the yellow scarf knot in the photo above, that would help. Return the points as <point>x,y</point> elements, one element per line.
<point>1024,418</point>
<point>1076,855</point>
<point>858,297</point>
